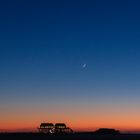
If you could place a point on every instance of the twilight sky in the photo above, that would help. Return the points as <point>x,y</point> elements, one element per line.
<point>72,61</point>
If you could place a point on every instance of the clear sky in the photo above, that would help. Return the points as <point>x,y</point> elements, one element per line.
<point>72,61</point>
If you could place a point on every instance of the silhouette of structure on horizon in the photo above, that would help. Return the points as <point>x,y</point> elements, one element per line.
<point>62,128</point>
<point>107,131</point>
<point>57,128</point>
<point>46,127</point>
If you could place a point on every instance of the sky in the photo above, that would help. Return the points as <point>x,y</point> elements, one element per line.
<point>71,61</point>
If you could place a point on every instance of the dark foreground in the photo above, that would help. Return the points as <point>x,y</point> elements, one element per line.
<point>76,136</point>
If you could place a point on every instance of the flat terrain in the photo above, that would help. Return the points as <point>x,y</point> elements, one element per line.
<point>76,136</point>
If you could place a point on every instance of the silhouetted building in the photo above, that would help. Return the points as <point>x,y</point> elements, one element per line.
<point>62,128</point>
<point>107,131</point>
<point>58,128</point>
<point>46,128</point>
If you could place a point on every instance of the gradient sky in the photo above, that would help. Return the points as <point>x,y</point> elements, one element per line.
<point>72,61</point>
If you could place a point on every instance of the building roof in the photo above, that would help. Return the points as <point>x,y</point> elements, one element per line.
<point>60,125</point>
<point>46,124</point>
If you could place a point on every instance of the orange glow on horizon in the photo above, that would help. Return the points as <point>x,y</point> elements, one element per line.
<point>80,125</point>
<point>88,120</point>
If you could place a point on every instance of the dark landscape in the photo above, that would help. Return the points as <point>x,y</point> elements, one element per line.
<point>75,136</point>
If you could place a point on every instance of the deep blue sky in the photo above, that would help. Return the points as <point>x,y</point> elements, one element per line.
<point>44,44</point>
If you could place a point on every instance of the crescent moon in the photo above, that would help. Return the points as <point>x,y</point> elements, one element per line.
<point>84,65</point>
